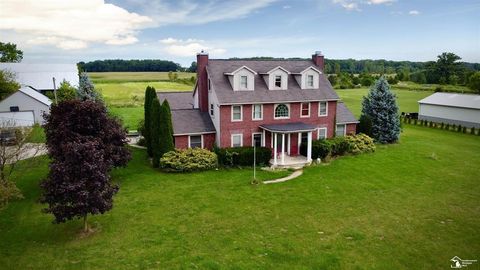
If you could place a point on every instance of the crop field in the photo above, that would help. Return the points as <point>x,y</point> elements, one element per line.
<point>115,77</point>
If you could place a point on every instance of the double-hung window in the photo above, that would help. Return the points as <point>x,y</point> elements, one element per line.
<point>236,113</point>
<point>310,81</point>
<point>340,130</point>
<point>211,109</point>
<point>237,140</point>
<point>322,108</point>
<point>195,141</point>
<point>305,109</point>
<point>278,81</point>
<point>257,112</point>
<point>322,133</point>
<point>243,82</point>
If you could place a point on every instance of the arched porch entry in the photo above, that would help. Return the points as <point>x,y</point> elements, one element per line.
<point>284,150</point>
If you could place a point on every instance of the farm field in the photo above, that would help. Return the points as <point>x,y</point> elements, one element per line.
<point>109,77</point>
<point>412,205</point>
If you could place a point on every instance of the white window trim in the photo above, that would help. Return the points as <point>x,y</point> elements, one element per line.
<point>326,109</point>
<point>241,139</point>
<point>304,116</point>
<point>313,82</point>
<point>201,140</point>
<point>241,113</point>
<point>318,133</point>
<point>275,108</point>
<point>211,109</point>
<point>275,82</point>
<point>240,86</point>
<point>257,133</point>
<point>344,129</point>
<point>253,112</point>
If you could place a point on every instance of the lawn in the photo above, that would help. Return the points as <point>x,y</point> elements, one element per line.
<point>413,205</point>
<point>130,116</point>
<point>117,77</point>
<point>407,99</point>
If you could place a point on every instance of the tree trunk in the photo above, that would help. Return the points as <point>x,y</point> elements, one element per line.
<point>85,224</point>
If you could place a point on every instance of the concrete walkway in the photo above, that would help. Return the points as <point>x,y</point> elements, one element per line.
<point>295,174</point>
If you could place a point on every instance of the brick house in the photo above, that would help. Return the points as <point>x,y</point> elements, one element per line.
<point>278,104</point>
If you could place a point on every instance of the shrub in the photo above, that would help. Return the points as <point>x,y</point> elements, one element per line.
<point>472,131</point>
<point>442,126</point>
<point>464,130</point>
<point>415,121</point>
<point>340,146</point>
<point>447,127</point>
<point>188,160</point>
<point>243,156</point>
<point>142,142</point>
<point>360,143</point>
<point>430,124</point>
<point>365,125</point>
<point>454,127</point>
<point>320,149</point>
<point>459,129</point>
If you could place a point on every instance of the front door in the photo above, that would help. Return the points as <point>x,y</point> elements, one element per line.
<point>279,143</point>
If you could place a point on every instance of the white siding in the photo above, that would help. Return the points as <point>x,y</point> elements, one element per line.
<point>212,99</point>
<point>25,103</point>
<point>236,80</point>
<point>271,82</point>
<point>452,113</point>
<point>315,79</point>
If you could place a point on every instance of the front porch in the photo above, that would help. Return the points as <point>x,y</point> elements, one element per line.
<point>285,150</point>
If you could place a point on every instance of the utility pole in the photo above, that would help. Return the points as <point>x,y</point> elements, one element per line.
<point>55,90</point>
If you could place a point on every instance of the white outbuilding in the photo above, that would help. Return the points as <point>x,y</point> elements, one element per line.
<point>25,107</point>
<point>451,108</point>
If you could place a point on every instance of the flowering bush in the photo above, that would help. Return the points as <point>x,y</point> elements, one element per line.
<point>360,143</point>
<point>188,160</point>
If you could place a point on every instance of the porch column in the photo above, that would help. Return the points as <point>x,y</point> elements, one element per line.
<point>309,147</point>
<point>283,148</point>
<point>263,138</point>
<point>274,148</point>
<point>288,144</point>
<point>299,141</point>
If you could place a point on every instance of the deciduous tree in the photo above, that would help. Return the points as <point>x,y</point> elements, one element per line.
<point>84,143</point>
<point>8,85</point>
<point>10,53</point>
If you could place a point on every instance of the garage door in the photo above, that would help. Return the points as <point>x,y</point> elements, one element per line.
<point>16,119</point>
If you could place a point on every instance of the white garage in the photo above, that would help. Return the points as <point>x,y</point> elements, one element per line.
<point>23,107</point>
<point>451,108</point>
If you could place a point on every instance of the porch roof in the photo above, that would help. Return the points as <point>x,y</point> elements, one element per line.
<point>288,127</point>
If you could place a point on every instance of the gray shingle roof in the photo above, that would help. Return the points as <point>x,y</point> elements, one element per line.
<point>344,115</point>
<point>191,121</point>
<point>225,94</point>
<point>288,127</point>
<point>177,100</point>
<point>453,100</point>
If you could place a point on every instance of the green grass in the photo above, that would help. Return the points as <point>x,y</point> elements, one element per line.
<point>132,94</point>
<point>407,85</point>
<point>37,135</point>
<point>398,208</point>
<point>130,116</point>
<point>117,77</point>
<point>407,100</point>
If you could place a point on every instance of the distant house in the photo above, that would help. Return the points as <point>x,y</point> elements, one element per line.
<point>451,108</point>
<point>40,76</point>
<point>279,104</point>
<point>23,108</point>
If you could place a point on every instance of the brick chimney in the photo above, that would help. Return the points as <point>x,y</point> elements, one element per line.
<point>202,79</point>
<point>319,60</point>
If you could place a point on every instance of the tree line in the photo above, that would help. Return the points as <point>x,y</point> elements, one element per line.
<point>119,65</point>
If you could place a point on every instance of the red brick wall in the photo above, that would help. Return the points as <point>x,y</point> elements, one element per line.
<point>247,126</point>
<point>202,81</point>
<point>181,142</point>
<point>351,129</point>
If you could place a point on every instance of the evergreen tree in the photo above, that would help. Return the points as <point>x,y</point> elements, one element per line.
<point>169,111</point>
<point>149,95</point>
<point>86,89</point>
<point>472,130</point>
<point>447,127</point>
<point>381,107</point>
<point>459,129</point>
<point>155,111</point>
<point>165,136</point>
<point>365,125</point>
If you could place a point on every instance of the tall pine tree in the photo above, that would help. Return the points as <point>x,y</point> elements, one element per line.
<point>155,111</point>
<point>166,136</point>
<point>149,95</point>
<point>381,107</point>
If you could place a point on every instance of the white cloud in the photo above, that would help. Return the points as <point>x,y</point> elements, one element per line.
<point>287,7</point>
<point>190,12</point>
<point>189,47</point>
<point>355,4</point>
<point>414,12</point>
<point>71,24</point>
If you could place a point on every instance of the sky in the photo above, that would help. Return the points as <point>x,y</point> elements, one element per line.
<point>59,31</point>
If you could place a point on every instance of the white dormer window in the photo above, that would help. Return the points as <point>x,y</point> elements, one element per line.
<point>278,81</point>
<point>243,82</point>
<point>310,81</point>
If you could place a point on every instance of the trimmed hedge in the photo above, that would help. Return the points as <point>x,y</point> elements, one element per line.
<point>361,143</point>
<point>188,160</point>
<point>320,149</point>
<point>243,156</point>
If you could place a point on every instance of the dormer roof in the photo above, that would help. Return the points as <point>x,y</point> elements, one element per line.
<point>273,69</point>
<point>240,68</point>
<point>308,68</point>
<point>217,68</point>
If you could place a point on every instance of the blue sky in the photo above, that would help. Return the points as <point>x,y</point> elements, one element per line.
<point>83,30</point>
